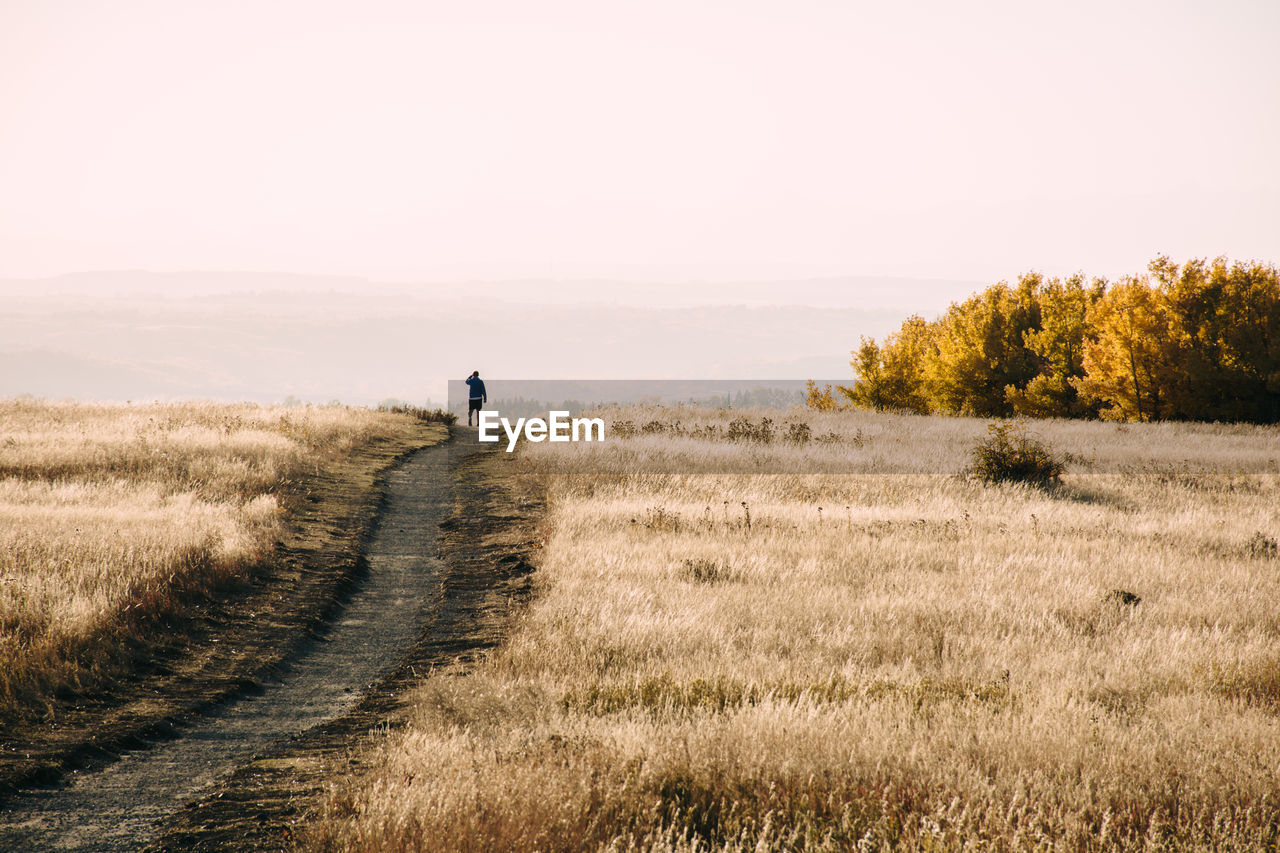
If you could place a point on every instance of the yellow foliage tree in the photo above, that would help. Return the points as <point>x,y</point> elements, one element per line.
<point>1129,358</point>
<point>819,399</point>
<point>892,376</point>
<point>1202,343</point>
<point>1058,344</point>
<point>979,350</point>
<point>1225,323</point>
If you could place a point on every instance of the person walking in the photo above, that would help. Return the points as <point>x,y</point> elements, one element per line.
<point>477,395</point>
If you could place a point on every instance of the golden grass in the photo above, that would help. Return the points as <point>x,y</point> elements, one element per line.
<point>900,659</point>
<point>110,515</point>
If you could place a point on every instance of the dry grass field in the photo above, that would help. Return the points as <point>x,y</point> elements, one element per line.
<point>111,515</point>
<point>893,657</point>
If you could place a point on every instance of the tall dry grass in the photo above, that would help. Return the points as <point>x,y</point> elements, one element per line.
<point>111,515</point>
<point>899,659</point>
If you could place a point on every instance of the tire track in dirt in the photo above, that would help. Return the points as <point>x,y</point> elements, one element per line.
<point>489,546</point>
<point>119,806</point>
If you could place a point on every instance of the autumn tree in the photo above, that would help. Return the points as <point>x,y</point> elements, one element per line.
<point>1200,340</point>
<point>819,399</point>
<point>979,350</point>
<point>1058,346</point>
<point>871,391</point>
<point>1252,338</point>
<point>1225,325</point>
<point>892,376</point>
<point>1129,358</point>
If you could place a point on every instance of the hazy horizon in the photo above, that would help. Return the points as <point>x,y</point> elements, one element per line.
<point>264,338</point>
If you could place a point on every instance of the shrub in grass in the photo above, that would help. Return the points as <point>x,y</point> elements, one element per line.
<point>706,571</point>
<point>1009,455</point>
<point>741,429</point>
<point>1263,547</point>
<point>799,433</point>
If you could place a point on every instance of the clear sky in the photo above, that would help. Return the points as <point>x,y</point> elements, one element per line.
<point>655,139</point>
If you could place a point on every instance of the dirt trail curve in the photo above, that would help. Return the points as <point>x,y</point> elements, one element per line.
<point>405,611</point>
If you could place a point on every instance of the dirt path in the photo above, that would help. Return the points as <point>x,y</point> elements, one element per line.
<point>488,548</point>
<point>123,806</point>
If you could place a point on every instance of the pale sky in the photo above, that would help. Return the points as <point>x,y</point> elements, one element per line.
<point>656,139</point>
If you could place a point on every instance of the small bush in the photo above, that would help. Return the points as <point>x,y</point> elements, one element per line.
<point>1009,455</point>
<point>1263,547</point>
<point>661,518</point>
<point>1122,598</point>
<point>799,433</point>
<point>741,429</point>
<point>705,571</point>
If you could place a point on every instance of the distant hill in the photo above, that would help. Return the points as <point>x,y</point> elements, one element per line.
<point>248,336</point>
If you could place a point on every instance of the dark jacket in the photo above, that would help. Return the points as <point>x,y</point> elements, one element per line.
<point>476,384</point>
